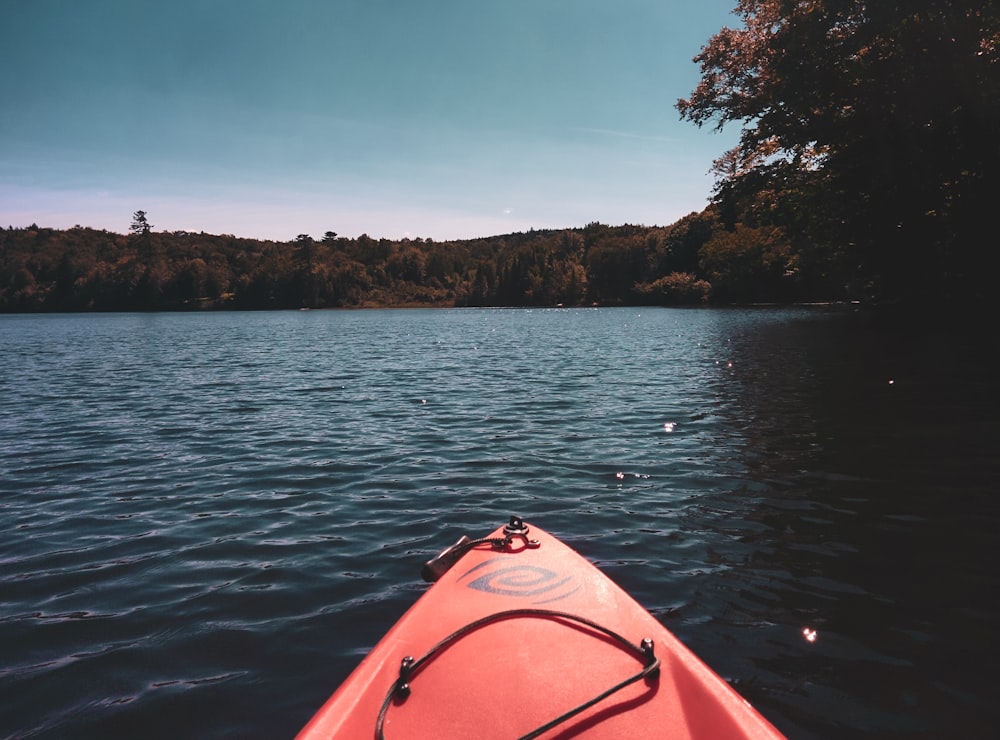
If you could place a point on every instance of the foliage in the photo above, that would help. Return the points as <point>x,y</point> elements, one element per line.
<point>749,264</point>
<point>675,289</point>
<point>869,133</point>
<point>84,269</point>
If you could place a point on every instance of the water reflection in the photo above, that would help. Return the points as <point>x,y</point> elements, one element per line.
<point>862,507</point>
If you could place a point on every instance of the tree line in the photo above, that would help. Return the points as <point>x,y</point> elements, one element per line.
<point>84,269</point>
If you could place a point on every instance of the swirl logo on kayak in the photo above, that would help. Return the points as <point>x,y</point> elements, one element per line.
<point>500,577</point>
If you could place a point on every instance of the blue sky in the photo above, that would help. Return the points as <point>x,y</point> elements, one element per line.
<point>423,118</point>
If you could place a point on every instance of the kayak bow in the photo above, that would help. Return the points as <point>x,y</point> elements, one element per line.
<point>521,637</point>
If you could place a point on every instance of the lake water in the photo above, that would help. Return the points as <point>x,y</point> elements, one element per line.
<point>207,519</point>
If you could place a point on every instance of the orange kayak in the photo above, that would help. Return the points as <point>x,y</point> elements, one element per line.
<point>521,637</point>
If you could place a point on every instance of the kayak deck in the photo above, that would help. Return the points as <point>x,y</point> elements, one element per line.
<point>507,676</point>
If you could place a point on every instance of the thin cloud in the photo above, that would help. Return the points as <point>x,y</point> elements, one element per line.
<point>628,135</point>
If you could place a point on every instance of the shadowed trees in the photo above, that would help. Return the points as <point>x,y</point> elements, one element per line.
<point>86,269</point>
<point>869,134</point>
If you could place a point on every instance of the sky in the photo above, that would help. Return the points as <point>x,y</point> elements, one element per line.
<point>442,119</point>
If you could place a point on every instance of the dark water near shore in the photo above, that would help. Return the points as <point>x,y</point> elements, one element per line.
<point>207,519</point>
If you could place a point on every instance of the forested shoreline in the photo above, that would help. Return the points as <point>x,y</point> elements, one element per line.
<point>84,269</point>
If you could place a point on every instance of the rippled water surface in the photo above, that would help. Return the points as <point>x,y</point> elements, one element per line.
<point>207,519</point>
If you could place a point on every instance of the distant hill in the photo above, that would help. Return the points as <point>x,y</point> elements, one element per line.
<point>83,269</point>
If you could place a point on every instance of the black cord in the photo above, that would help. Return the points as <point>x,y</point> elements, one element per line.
<point>410,667</point>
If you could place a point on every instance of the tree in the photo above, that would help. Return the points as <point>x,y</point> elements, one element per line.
<point>749,264</point>
<point>677,249</point>
<point>868,125</point>
<point>140,226</point>
<point>675,289</point>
